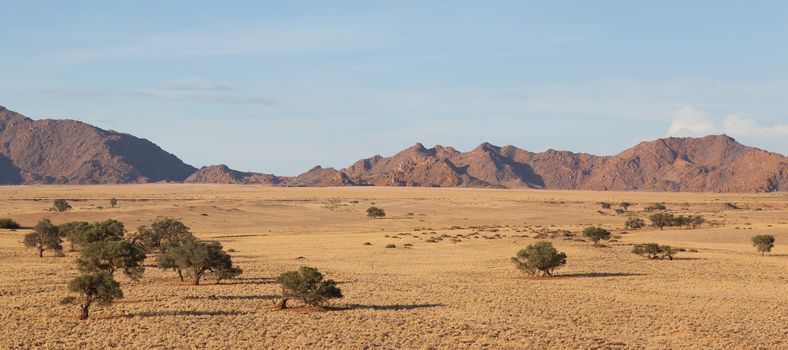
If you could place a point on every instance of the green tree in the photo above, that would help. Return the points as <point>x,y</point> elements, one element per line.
<point>307,284</point>
<point>661,220</point>
<point>763,243</point>
<point>596,234</point>
<point>539,257</point>
<point>73,231</point>
<point>107,230</point>
<point>375,212</point>
<point>109,256</point>
<point>696,220</point>
<point>98,288</point>
<point>162,234</point>
<point>656,207</point>
<point>198,258</point>
<point>634,223</point>
<point>45,236</point>
<point>61,205</point>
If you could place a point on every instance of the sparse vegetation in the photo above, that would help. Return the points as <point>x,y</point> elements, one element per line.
<point>9,224</point>
<point>656,207</point>
<point>634,222</point>
<point>45,236</point>
<point>661,220</point>
<point>375,212</point>
<point>61,205</point>
<point>308,285</point>
<point>540,257</point>
<point>763,243</point>
<point>625,205</point>
<point>113,202</point>
<point>605,205</point>
<point>596,234</point>
<point>391,245</point>
<point>98,288</point>
<point>654,251</point>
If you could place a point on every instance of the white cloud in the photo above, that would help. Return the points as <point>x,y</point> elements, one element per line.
<point>691,121</point>
<point>741,125</point>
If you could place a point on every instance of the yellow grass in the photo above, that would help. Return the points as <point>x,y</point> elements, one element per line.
<point>432,295</point>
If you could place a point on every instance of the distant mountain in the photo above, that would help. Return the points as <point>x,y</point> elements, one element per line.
<point>71,152</point>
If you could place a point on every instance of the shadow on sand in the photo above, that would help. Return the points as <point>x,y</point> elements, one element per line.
<point>187,313</point>
<point>392,307</point>
<point>230,297</point>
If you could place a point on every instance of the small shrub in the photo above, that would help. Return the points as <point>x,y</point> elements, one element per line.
<point>375,212</point>
<point>100,288</point>
<point>596,234</point>
<point>308,285</point>
<point>540,257</point>
<point>61,205</point>
<point>763,243</point>
<point>367,243</point>
<point>605,205</point>
<point>654,251</point>
<point>619,211</point>
<point>625,205</point>
<point>656,207</point>
<point>9,224</point>
<point>634,222</point>
<point>391,245</point>
<point>113,202</point>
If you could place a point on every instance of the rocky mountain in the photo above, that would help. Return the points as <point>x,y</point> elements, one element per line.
<point>71,152</point>
<point>221,174</point>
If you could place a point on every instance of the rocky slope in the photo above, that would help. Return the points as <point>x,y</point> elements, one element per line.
<point>221,174</point>
<point>71,152</point>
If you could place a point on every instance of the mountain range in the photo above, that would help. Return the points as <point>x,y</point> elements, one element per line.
<point>71,152</point>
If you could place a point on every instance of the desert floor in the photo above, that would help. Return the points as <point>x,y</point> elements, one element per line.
<point>459,292</point>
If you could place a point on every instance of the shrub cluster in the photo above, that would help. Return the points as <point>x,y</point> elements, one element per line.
<point>654,251</point>
<point>661,220</point>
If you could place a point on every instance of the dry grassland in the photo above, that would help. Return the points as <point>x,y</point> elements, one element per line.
<point>459,292</point>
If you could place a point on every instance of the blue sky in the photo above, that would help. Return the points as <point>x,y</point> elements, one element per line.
<point>282,86</point>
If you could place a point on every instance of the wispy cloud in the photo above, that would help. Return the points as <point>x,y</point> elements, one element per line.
<point>690,121</point>
<point>741,125</point>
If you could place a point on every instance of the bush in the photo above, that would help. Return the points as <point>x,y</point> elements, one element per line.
<point>9,224</point>
<point>308,285</point>
<point>634,222</point>
<point>198,258</point>
<point>100,288</point>
<point>391,245</point>
<point>596,234</point>
<point>45,236</point>
<point>661,220</point>
<point>625,205</point>
<point>656,207</point>
<point>61,205</point>
<point>539,257</point>
<point>375,212</point>
<point>108,256</point>
<point>654,251</point>
<point>163,233</point>
<point>604,205</point>
<point>763,243</point>
<point>113,202</point>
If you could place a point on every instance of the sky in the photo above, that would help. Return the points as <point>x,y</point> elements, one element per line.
<point>282,86</point>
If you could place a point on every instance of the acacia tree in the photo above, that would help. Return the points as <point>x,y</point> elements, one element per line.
<point>596,234</point>
<point>163,233</point>
<point>61,205</point>
<point>634,222</point>
<point>73,231</point>
<point>109,256</point>
<point>763,243</point>
<point>539,257</point>
<point>661,220</point>
<point>654,251</point>
<point>45,236</point>
<point>308,285</point>
<point>198,258</point>
<point>375,212</point>
<point>107,230</point>
<point>100,288</point>
<point>113,202</point>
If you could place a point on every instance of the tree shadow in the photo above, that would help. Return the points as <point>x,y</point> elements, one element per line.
<point>684,258</point>
<point>392,307</point>
<point>249,280</point>
<point>231,297</point>
<point>598,274</point>
<point>187,313</point>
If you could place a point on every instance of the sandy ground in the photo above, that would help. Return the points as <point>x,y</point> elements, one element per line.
<point>452,295</point>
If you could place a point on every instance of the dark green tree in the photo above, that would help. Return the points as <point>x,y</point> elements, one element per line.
<point>375,212</point>
<point>111,255</point>
<point>107,230</point>
<point>198,258</point>
<point>661,220</point>
<point>98,288</point>
<point>596,234</point>
<point>307,284</point>
<point>654,251</point>
<point>162,234</point>
<point>45,236</point>
<point>73,231</point>
<point>763,243</point>
<point>61,205</point>
<point>540,257</point>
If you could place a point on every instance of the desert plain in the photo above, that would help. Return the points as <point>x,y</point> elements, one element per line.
<point>459,292</point>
